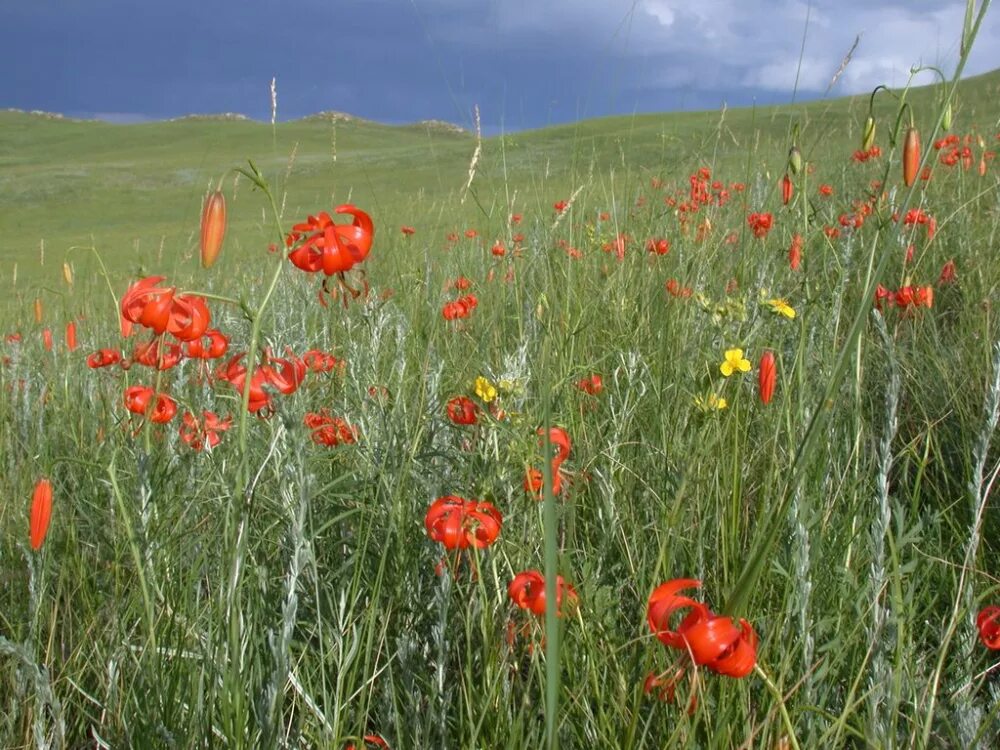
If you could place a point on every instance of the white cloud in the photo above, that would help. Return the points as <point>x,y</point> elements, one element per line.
<point>720,44</point>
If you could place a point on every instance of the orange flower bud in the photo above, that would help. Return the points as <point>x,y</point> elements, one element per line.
<point>911,156</point>
<point>41,512</point>
<point>786,189</point>
<point>38,309</point>
<point>766,376</point>
<point>71,336</point>
<point>213,228</point>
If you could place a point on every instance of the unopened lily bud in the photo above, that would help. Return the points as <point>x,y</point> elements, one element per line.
<point>795,160</point>
<point>67,274</point>
<point>911,156</point>
<point>946,118</point>
<point>213,228</point>
<point>868,139</point>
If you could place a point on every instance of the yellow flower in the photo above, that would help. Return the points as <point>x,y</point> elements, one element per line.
<point>734,361</point>
<point>485,389</point>
<point>781,307</point>
<point>712,402</point>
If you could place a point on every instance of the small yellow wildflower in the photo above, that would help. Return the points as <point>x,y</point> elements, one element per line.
<point>712,402</point>
<point>734,361</point>
<point>485,389</point>
<point>781,307</point>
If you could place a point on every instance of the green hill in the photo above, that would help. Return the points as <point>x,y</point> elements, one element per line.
<point>135,191</point>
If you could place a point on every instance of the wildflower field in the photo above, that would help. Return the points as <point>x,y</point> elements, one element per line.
<point>646,432</point>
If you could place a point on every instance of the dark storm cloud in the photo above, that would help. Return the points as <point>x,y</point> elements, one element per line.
<point>526,63</point>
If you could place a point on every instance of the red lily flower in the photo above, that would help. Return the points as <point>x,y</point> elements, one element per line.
<point>527,591</point>
<point>103,358</point>
<point>370,739</point>
<point>141,399</point>
<point>659,246</point>
<point>329,431</point>
<point>185,316</point>
<point>285,378</point>
<point>795,252</point>
<point>592,385</point>
<point>218,344</point>
<point>988,624</point>
<point>408,231</point>
<point>319,361</point>
<point>463,410</point>
<point>197,433</point>
<point>41,513</point>
<point>47,339</point>
<point>328,247</point>
<point>146,304</point>
<point>664,688</point>
<point>560,441</point>
<point>760,224</point>
<point>459,524</point>
<point>157,353</point>
<point>947,273</point>
<point>711,640</point>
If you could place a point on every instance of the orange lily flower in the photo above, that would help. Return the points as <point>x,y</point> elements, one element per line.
<point>328,247</point>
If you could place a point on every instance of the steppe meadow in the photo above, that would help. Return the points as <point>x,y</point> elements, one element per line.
<point>663,430</point>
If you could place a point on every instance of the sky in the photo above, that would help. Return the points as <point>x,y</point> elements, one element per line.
<point>525,63</point>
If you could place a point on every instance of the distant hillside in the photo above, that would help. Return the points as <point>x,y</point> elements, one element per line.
<point>135,190</point>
